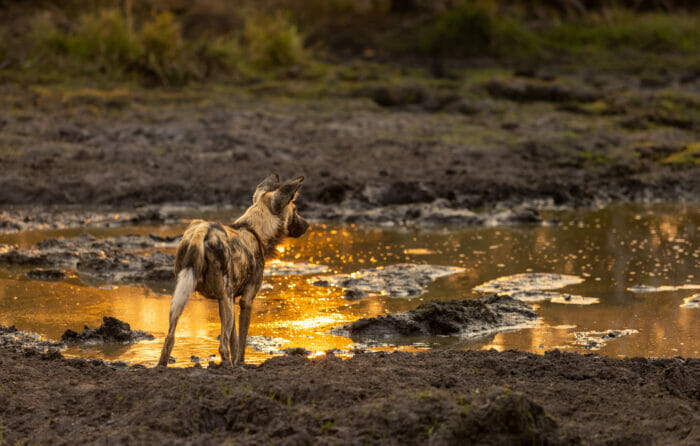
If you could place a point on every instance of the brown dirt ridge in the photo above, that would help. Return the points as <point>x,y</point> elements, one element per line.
<point>440,397</point>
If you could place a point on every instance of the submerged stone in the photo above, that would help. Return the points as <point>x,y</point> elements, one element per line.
<point>111,330</point>
<point>400,280</point>
<point>692,301</point>
<point>468,318</point>
<point>661,288</point>
<point>594,340</point>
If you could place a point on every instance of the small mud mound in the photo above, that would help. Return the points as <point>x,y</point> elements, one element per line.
<point>594,340</point>
<point>467,318</point>
<point>401,280</point>
<point>557,298</point>
<point>46,274</point>
<point>26,341</point>
<point>528,282</point>
<point>500,417</point>
<point>692,301</point>
<point>111,330</point>
<point>529,287</point>
<point>536,90</point>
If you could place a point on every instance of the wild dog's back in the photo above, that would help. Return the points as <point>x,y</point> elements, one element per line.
<point>233,253</point>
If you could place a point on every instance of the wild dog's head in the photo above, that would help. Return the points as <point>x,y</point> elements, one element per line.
<point>276,214</point>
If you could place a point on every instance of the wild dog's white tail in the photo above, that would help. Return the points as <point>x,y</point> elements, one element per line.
<point>184,287</point>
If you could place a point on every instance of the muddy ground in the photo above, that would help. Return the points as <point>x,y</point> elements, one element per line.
<point>445,397</point>
<point>480,139</point>
<point>372,149</point>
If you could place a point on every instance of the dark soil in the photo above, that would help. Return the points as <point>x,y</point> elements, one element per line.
<point>471,143</point>
<point>441,397</point>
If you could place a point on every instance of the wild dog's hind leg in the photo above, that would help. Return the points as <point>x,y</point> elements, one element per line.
<point>184,286</point>
<point>217,286</point>
<point>244,319</point>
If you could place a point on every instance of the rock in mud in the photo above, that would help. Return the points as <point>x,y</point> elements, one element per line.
<point>468,318</point>
<point>296,351</point>
<point>112,330</point>
<point>692,301</point>
<point>21,341</point>
<point>400,280</point>
<point>46,274</point>
<point>594,340</point>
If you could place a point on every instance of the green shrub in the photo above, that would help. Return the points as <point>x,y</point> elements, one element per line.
<point>220,56</point>
<point>45,40</point>
<point>162,48</point>
<point>623,30</point>
<point>105,41</point>
<point>274,42</point>
<point>464,30</point>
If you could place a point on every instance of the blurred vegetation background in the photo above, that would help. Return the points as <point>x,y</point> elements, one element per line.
<point>172,42</point>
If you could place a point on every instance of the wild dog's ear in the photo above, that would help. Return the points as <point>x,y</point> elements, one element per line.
<point>285,194</point>
<point>269,184</point>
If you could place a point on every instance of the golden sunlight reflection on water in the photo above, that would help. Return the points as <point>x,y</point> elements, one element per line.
<point>611,249</point>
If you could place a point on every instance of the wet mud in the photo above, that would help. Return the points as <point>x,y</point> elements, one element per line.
<point>111,330</point>
<point>440,397</point>
<point>471,142</point>
<point>439,213</point>
<point>112,260</point>
<point>399,280</point>
<point>44,218</point>
<point>465,318</point>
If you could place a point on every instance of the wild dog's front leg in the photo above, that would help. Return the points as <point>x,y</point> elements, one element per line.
<point>244,318</point>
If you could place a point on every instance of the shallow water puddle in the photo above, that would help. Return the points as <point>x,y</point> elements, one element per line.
<point>598,262</point>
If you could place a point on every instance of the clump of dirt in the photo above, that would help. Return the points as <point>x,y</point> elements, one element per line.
<point>46,274</point>
<point>399,280</point>
<point>111,330</point>
<point>468,317</point>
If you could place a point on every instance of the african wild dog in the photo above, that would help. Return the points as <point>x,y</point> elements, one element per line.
<point>224,262</point>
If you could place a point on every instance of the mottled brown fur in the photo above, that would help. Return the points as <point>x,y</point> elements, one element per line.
<point>228,261</point>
